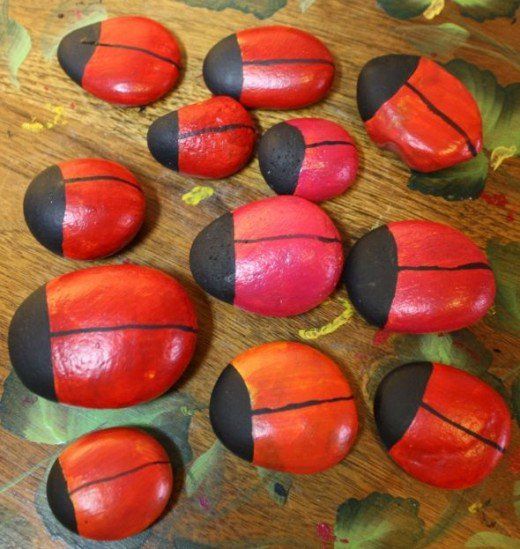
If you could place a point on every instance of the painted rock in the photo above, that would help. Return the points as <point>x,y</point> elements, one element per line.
<point>84,209</point>
<point>128,61</point>
<point>110,484</point>
<point>279,256</point>
<point>308,157</point>
<point>270,68</point>
<point>419,277</point>
<point>443,426</point>
<point>104,337</point>
<point>213,138</point>
<point>285,406</point>
<point>416,108</point>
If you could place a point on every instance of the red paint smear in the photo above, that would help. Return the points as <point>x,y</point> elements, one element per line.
<point>204,502</point>
<point>500,201</point>
<point>325,532</point>
<point>381,337</point>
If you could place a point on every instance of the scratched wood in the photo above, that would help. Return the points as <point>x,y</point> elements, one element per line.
<point>81,125</point>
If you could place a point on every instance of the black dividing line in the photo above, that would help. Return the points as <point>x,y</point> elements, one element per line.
<point>122,474</point>
<point>444,117</point>
<point>216,129</point>
<point>101,177</point>
<point>180,327</point>
<point>325,239</point>
<point>465,267</point>
<point>289,62</point>
<point>328,143</point>
<point>296,405</point>
<point>485,440</point>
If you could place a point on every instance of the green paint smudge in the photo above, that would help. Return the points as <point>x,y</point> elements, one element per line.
<point>15,43</point>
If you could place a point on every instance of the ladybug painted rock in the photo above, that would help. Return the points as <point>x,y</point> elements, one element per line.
<point>213,138</point>
<point>104,337</point>
<point>285,406</point>
<point>416,108</point>
<point>419,277</point>
<point>308,157</point>
<point>129,61</point>
<point>84,209</point>
<point>443,426</point>
<point>110,484</point>
<point>279,256</point>
<point>270,68</point>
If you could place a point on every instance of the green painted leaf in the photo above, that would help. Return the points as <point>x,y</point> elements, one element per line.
<point>515,399</point>
<point>404,9</point>
<point>379,520</point>
<point>480,10</point>
<point>305,5</point>
<point>261,9</point>
<point>492,540</point>
<point>463,181</point>
<point>207,464</point>
<point>505,261</point>
<point>278,484</point>
<point>15,42</point>
<point>434,40</point>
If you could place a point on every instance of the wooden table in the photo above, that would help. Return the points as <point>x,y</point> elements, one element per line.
<point>365,501</point>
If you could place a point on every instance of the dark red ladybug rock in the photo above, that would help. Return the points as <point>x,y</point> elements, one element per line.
<point>213,138</point>
<point>84,209</point>
<point>416,108</point>
<point>441,425</point>
<point>110,484</point>
<point>270,68</point>
<point>419,277</point>
<point>285,406</point>
<point>129,61</point>
<point>279,256</point>
<point>104,337</point>
<point>308,157</point>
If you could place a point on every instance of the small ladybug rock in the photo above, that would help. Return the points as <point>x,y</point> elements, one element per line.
<point>279,256</point>
<point>84,209</point>
<point>104,337</point>
<point>129,61</point>
<point>285,406</point>
<point>419,277</point>
<point>270,68</point>
<point>441,425</point>
<point>213,138</point>
<point>416,108</point>
<point>110,484</point>
<point>308,157</point>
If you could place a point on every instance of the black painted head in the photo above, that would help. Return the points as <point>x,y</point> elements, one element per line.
<point>77,48</point>
<point>59,499</point>
<point>398,398</point>
<point>222,69</point>
<point>230,413</point>
<point>30,347</point>
<point>281,153</point>
<point>380,79</point>
<point>44,208</point>
<point>212,258</point>
<point>370,275</point>
<point>163,140</point>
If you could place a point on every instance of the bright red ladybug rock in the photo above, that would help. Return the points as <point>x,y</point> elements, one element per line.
<point>441,425</point>
<point>110,484</point>
<point>419,277</point>
<point>279,256</point>
<point>308,157</point>
<point>84,209</point>
<point>129,61</point>
<point>416,108</point>
<point>285,406</point>
<point>270,68</point>
<point>104,337</point>
<point>213,138</point>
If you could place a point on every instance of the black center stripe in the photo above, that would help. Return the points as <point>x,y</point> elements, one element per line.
<point>297,405</point>
<point>328,143</point>
<point>303,61</point>
<point>180,327</point>
<point>464,267</point>
<point>444,117</point>
<point>217,129</point>
<point>100,178</point>
<point>326,239</point>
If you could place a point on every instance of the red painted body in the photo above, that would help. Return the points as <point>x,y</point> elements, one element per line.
<point>122,365</point>
<point>119,481</point>
<point>405,125</point>
<point>130,77</point>
<point>285,276</point>
<point>103,215</point>
<point>440,454</point>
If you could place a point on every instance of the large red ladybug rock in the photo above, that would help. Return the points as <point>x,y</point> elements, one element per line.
<point>279,256</point>
<point>104,337</point>
<point>110,484</point>
<point>270,68</point>
<point>213,138</point>
<point>419,277</point>
<point>441,425</point>
<point>308,157</point>
<point>285,406</point>
<point>416,108</point>
<point>129,61</point>
<point>84,209</point>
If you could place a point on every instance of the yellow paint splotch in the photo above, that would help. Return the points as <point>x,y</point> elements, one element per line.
<point>197,195</point>
<point>340,320</point>
<point>56,118</point>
